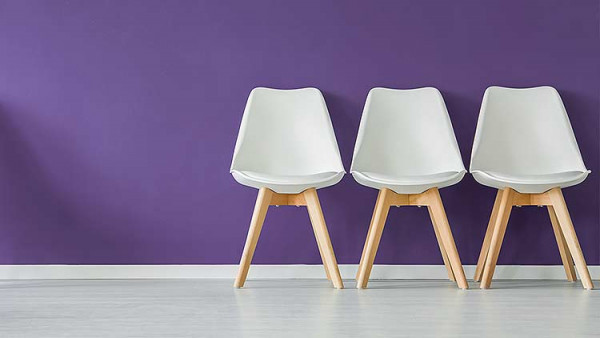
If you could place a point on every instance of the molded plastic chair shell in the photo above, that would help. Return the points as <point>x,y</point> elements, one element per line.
<point>524,141</point>
<point>406,142</point>
<point>286,142</point>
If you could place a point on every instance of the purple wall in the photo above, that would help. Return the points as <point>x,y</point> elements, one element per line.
<point>118,121</point>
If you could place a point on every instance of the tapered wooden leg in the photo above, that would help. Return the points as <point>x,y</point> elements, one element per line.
<point>565,253</point>
<point>564,219</point>
<point>485,247</point>
<point>258,218</point>
<point>382,208</point>
<point>362,257</point>
<point>441,245</point>
<point>318,223</point>
<point>319,245</point>
<point>439,214</point>
<point>501,222</point>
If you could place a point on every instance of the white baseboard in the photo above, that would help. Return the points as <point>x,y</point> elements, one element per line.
<point>348,271</point>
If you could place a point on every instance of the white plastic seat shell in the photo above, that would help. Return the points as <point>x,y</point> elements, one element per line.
<point>406,142</point>
<point>286,142</point>
<point>524,141</point>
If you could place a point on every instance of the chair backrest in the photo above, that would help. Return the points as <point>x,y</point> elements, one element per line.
<point>286,132</point>
<point>524,131</point>
<point>406,132</point>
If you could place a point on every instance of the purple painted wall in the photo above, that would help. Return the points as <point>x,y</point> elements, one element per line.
<point>118,121</point>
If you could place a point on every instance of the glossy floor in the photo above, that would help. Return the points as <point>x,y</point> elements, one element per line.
<point>295,308</point>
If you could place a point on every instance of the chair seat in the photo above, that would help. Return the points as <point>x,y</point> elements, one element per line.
<point>530,184</point>
<point>408,184</point>
<point>287,184</point>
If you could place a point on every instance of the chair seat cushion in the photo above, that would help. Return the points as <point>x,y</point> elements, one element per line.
<point>531,184</point>
<point>287,184</point>
<point>408,184</point>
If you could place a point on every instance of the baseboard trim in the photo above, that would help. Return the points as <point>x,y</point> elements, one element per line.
<point>348,271</point>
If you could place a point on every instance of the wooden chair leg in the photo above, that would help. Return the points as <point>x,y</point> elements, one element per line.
<point>382,208</point>
<point>564,219</point>
<point>485,247</point>
<point>439,214</point>
<point>322,235</point>
<point>565,253</point>
<point>441,245</point>
<point>501,222</point>
<point>258,218</point>
<point>320,246</point>
<point>362,257</point>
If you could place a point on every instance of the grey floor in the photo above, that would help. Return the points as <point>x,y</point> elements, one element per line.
<point>295,308</point>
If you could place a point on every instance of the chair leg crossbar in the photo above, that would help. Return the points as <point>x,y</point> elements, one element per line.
<point>308,198</point>
<point>432,200</point>
<point>566,238</point>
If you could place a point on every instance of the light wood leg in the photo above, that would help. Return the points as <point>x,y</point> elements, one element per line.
<point>501,222</point>
<point>318,222</point>
<point>565,253</point>
<point>564,219</point>
<point>258,218</point>
<point>319,245</point>
<point>362,257</point>
<point>439,214</point>
<point>485,247</point>
<point>382,208</point>
<point>441,245</point>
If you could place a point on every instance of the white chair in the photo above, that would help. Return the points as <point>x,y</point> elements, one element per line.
<point>406,148</point>
<point>525,147</point>
<point>287,149</point>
